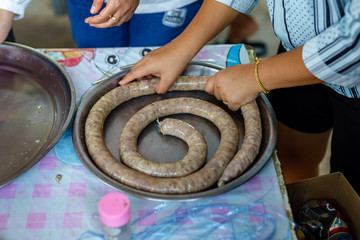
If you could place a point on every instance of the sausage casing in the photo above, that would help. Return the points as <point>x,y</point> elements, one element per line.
<point>193,160</point>
<point>197,181</point>
<point>250,147</point>
<point>200,180</point>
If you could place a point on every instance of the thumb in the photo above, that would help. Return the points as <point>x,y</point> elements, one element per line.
<point>209,86</point>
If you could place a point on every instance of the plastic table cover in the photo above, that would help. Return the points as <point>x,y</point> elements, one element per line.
<point>58,197</point>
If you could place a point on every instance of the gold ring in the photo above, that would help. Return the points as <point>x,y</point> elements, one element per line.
<point>225,102</point>
<point>113,18</point>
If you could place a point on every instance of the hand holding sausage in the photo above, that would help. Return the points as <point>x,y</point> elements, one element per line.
<point>115,13</point>
<point>169,61</point>
<point>166,62</point>
<point>6,19</point>
<point>235,85</point>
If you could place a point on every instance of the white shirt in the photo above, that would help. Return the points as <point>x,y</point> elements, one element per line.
<point>329,31</point>
<point>146,6</point>
<point>154,6</point>
<point>15,6</point>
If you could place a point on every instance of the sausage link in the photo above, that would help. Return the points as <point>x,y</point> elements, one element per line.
<point>250,147</point>
<point>200,180</point>
<point>192,161</point>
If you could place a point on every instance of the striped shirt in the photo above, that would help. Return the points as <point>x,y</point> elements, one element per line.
<point>329,31</point>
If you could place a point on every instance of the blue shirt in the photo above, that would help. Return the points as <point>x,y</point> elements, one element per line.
<point>329,31</point>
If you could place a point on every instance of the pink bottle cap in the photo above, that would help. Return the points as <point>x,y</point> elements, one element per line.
<point>114,209</point>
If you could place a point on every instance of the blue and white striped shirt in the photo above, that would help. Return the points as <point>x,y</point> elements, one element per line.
<point>329,31</point>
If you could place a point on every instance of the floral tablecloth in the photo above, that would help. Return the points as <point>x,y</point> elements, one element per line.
<point>37,205</point>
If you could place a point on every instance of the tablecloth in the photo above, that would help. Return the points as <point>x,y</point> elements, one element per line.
<point>58,197</point>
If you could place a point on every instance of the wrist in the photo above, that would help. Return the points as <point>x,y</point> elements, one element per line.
<point>257,77</point>
<point>186,49</point>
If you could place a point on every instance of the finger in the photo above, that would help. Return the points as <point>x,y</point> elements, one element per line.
<point>115,19</point>
<point>135,73</point>
<point>111,21</point>
<point>105,16</point>
<point>164,84</point>
<point>209,86</point>
<point>96,6</point>
<point>96,19</point>
<point>127,16</point>
<point>217,93</point>
<point>129,77</point>
<point>102,17</point>
<point>233,107</point>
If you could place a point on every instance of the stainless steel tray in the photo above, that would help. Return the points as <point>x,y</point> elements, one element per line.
<point>37,102</point>
<point>160,148</point>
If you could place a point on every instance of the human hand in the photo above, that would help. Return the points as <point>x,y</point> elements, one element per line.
<point>6,19</point>
<point>115,13</point>
<point>166,62</point>
<point>235,85</point>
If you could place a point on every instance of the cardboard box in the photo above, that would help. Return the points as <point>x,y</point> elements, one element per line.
<point>336,190</point>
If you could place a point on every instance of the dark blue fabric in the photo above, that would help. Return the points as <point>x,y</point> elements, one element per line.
<point>318,108</point>
<point>345,137</point>
<point>140,30</point>
<point>10,37</point>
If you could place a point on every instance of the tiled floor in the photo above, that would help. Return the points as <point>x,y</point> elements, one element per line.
<point>41,28</point>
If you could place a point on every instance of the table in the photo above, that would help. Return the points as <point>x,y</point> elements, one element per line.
<point>38,205</point>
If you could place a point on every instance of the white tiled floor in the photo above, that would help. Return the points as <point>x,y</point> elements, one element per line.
<point>41,28</point>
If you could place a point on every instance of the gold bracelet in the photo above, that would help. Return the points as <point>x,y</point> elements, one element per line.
<point>263,89</point>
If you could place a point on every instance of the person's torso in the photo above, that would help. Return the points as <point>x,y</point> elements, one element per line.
<point>155,6</point>
<point>297,21</point>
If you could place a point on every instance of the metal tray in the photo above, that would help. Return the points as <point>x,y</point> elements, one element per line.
<point>154,146</point>
<point>37,102</point>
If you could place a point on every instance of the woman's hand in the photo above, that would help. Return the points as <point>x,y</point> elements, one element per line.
<point>169,61</point>
<point>235,85</point>
<point>166,62</point>
<point>115,13</point>
<point>6,19</point>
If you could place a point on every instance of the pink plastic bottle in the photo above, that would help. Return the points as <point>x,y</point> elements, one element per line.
<point>115,213</point>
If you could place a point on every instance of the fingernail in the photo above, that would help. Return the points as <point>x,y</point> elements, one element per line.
<point>92,9</point>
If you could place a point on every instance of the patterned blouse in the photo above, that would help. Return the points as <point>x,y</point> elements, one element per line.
<point>329,31</point>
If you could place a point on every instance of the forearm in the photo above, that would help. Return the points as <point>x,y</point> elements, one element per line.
<point>15,6</point>
<point>168,61</point>
<point>237,84</point>
<point>211,19</point>
<point>6,19</point>
<point>285,70</point>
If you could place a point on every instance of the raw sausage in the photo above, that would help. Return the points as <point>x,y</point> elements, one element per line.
<point>193,160</point>
<point>198,181</point>
<point>250,147</point>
